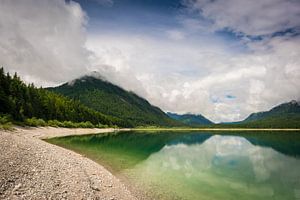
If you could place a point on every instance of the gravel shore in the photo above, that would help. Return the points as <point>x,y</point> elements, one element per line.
<point>33,169</point>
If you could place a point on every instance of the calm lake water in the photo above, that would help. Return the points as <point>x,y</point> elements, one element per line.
<point>198,165</point>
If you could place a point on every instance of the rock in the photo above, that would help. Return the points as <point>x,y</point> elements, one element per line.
<point>95,187</point>
<point>34,169</point>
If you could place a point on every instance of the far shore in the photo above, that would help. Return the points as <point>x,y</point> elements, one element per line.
<point>214,129</point>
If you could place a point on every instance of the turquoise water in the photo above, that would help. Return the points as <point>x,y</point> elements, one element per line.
<point>198,165</point>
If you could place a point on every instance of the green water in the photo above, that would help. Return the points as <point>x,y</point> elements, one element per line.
<point>198,165</point>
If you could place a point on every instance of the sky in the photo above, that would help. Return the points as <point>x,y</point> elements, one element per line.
<point>221,58</point>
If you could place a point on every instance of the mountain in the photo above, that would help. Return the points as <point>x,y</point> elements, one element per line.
<point>292,107</point>
<point>286,115</point>
<point>109,99</point>
<point>22,103</point>
<point>190,119</point>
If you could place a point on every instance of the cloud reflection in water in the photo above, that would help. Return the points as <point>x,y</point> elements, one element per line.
<point>227,167</point>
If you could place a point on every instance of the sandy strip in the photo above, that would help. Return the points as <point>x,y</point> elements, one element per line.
<point>33,169</point>
<point>50,132</point>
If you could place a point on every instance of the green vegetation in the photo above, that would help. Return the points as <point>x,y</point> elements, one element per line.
<point>286,115</point>
<point>35,122</point>
<point>5,123</point>
<point>67,124</point>
<point>288,120</point>
<point>291,108</point>
<point>26,104</point>
<point>114,101</point>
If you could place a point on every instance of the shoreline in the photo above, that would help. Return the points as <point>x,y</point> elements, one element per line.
<point>31,168</point>
<point>215,129</point>
<point>51,132</point>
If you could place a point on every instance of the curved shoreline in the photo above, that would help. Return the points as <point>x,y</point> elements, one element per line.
<point>34,169</point>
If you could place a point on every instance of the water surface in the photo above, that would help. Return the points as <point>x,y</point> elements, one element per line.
<point>199,165</point>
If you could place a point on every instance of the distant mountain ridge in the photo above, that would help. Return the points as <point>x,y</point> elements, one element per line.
<point>101,95</point>
<point>190,119</point>
<point>284,115</point>
<point>292,107</point>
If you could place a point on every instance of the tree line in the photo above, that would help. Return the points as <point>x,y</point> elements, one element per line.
<point>20,102</point>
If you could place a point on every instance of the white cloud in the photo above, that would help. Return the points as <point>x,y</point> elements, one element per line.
<point>175,34</point>
<point>196,76</point>
<point>217,152</point>
<point>43,40</point>
<point>256,17</point>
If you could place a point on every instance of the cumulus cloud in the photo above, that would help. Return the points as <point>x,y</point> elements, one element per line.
<point>256,17</point>
<point>198,76</point>
<point>43,40</point>
<point>219,152</point>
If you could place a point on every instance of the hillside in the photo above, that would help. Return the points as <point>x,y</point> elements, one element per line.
<point>292,107</point>
<point>190,119</point>
<point>286,115</point>
<point>112,100</point>
<point>20,102</point>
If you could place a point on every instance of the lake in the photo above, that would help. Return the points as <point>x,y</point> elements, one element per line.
<point>198,165</point>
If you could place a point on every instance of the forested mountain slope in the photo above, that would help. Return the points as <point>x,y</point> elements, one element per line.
<point>112,100</point>
<point>286,115</point>
<point>292,107</point>
<point>20,101</point>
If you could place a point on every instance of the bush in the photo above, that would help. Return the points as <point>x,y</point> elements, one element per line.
<point>55,123</point>
<point>69,124</point>
<point>101,126</point>
<point>35,122</point>
<point>85,125</point>
<point>5,119</point>
<point>7,126</point>
<point>5,122</point>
